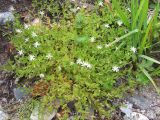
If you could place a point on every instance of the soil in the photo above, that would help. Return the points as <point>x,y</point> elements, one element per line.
<point>7,81</point>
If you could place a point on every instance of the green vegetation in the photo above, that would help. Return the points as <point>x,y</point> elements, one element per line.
<point>86,57</point>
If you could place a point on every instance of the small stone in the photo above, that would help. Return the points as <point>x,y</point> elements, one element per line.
<point>34,115</point>
<point>47,115</point>
<point>6,17</point>
<point>3,116</point>
<point>151,114</point>
<point>135,116</point>
<point>127,109</point>
<point>19,93</point>
<point>140,101</point>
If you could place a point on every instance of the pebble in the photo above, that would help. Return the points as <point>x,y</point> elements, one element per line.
<point>19,93</point>
<point>127,109</point>
<point>135,116</point>
<point>3,115</point>
<point>47,116</point>
<point>6,17</point>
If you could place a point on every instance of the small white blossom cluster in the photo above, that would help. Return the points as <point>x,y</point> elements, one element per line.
<point>100,3</point>
<point>83,63</point>
<point>119,22</point>
<point>41,13</point>
<point>18,31</point>
<point>106,26</point>
<point>99,47</point>
<point>115,69</point>
<point>41,76</point>
<point>36,45</point>
<point>133,49</point>
<point>26,26</point>
<point>92,39</point>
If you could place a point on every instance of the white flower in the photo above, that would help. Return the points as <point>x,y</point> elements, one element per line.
<point>34,34</point>
<point>83,63</point>
<point>79,61</point>
<point>119,22</point>
<point>18,31</point>
<point>133,49</point>
<point>36,44</point>
<point>49,56</point>
<point>115,69</point>
<point>41,13</point>
<point>78,8</point>
<point>106,26</point>
<point>20,52</point>
<point>86,64</point>
<point>92,39</point>
<point>129,10</point>
<point>59,68</point>
<point>26,26</point>
<point>31,57</point>
<point>41,75</point>
<point>99,47</point>
<point>100,3</point>
<point>107,45</point>
<point>26,39</point>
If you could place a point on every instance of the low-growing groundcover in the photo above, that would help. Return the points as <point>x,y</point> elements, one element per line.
<point>80,60</point>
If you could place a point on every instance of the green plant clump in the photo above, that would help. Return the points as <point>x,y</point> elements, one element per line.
<point>81,58</point>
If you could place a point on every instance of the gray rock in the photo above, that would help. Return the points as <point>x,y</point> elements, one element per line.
<point>19,93</point>
<point>6,17</point>
<point>140,101</point>
<point>135,116</point>
<point>151,114</point>
<point>3,115</point>
<point>47,115</point>
<point>127,109</point>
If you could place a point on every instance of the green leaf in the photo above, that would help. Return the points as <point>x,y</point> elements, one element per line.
<point>121,13</point>
<point>150,78</point>
<point>149,58</point>
<point>82,39</point>
<point>142,78</point>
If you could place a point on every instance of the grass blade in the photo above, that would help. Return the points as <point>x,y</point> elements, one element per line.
<point>143,2</point>
<point>121,13</point>
<point>150,78</point>
<point>149,58</point>
<point>122,37</point>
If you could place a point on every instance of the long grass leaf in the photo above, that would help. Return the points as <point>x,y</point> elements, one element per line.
<point>150,78</point>
<point>122,37</point>
<point>149,58</point>
<point>138,13</point>
<point>120,12</point>
<point>150,26</point>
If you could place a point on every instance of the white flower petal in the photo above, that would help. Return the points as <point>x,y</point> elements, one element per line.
<point>119,22</point>
<point>115,69</point>
<point>100,3</point>
<point>18,31</point>
<point>133,49</point>
<point>99,47</point>
<point>34,34</point>
<point>41,75</point>
<point>31,57</point>
<point>20,52</point>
